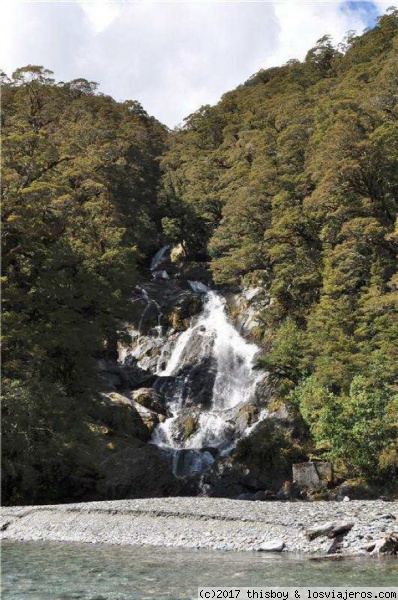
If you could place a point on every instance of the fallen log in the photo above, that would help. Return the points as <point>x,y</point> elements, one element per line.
<point>330,529</point>
<point>336,556</point>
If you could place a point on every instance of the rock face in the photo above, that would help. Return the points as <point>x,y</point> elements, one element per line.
<point>312,474</point>
<point>150,399</point>
<point>204,373</point>
<point>138,472</point>
<point>185,383</point>
<point>118,414</point>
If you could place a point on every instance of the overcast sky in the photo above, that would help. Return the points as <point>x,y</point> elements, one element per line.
<point>172,57</point>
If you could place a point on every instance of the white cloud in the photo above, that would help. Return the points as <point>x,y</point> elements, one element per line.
<point>171,56</point>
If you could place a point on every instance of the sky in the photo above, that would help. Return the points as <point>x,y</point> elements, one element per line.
<point>171,56</point>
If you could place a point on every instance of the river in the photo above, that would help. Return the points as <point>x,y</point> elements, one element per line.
<point>70,571</point>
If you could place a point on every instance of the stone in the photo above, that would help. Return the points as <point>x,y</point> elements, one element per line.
<point>311,474</point>
<point>245,496</point>
<point>118,414</point>
<point>137,472</point>
<point>151,399</point>
<point>271,546</point>
<point>247,416</point>
<point>119,377</point>
<point>263,496</point>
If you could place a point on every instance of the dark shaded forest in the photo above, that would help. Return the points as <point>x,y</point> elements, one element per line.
<point>288,184</point>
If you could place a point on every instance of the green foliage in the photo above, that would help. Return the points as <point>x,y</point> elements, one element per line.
<point>284,359</point>
<point>289,183</point>
<point>79,184</point>
<point>271,448</point>
<point>48,454</point>
<point>359,428</point>
<point>293,182</point>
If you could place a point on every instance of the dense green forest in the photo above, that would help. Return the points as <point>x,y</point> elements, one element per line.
<point>80,175</point>
<point>289,184</point>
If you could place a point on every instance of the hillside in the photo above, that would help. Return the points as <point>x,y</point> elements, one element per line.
<point>288,185</point>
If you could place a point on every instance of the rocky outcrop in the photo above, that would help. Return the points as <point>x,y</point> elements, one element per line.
<point>119,416</point>
<point>164,303</point>
<point>312,474</point>
<point>116,376</point>
<point>150,399</point>
<point>137,471</point>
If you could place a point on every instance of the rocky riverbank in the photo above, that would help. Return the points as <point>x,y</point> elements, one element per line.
<point>212,523</point>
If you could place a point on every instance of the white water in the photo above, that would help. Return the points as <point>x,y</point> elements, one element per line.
<point>199,287</point>
<point>159,256</point>
<point>234,383</point>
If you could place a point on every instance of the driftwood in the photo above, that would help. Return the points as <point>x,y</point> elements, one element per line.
<point>336,556</point>
<point>385,545</point>
<point>330,529</point>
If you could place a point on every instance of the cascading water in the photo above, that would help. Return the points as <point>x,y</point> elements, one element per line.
<point>207,393</point>
<point>211,340</point>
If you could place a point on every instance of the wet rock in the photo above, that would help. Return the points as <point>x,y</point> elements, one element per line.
<point>123,376</point>
<point>190,426</point>
<point>184,426</point>
<point>190,463</point>
<point>151,399</point>
<point>145,351</point>
<point>247,416</point>
<point>199,382</point>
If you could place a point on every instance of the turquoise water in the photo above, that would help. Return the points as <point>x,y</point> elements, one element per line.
<point>69,571</point>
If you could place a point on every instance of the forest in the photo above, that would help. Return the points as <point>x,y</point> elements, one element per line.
<point>288,184</point>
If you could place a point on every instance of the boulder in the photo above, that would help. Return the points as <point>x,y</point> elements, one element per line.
<point>264,495</point>
<point>247,416</point>
<point>151,399</point>
<point>119,415</point>
<point>133,471</point>
<point>311,474</point>
<point>115,376</point>
<point>271,546</point>
<point>184,426</point>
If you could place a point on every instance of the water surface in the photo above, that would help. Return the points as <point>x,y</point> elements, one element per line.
<point>69,571</point>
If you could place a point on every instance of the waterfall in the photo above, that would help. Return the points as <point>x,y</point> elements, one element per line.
<point>203,372</point>
<point>159,256</point>
<point>210,340</point>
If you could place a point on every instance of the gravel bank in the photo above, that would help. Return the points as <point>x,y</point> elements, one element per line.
<point>212,523</point>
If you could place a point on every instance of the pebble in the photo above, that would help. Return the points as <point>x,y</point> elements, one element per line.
<point>211,523</point>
